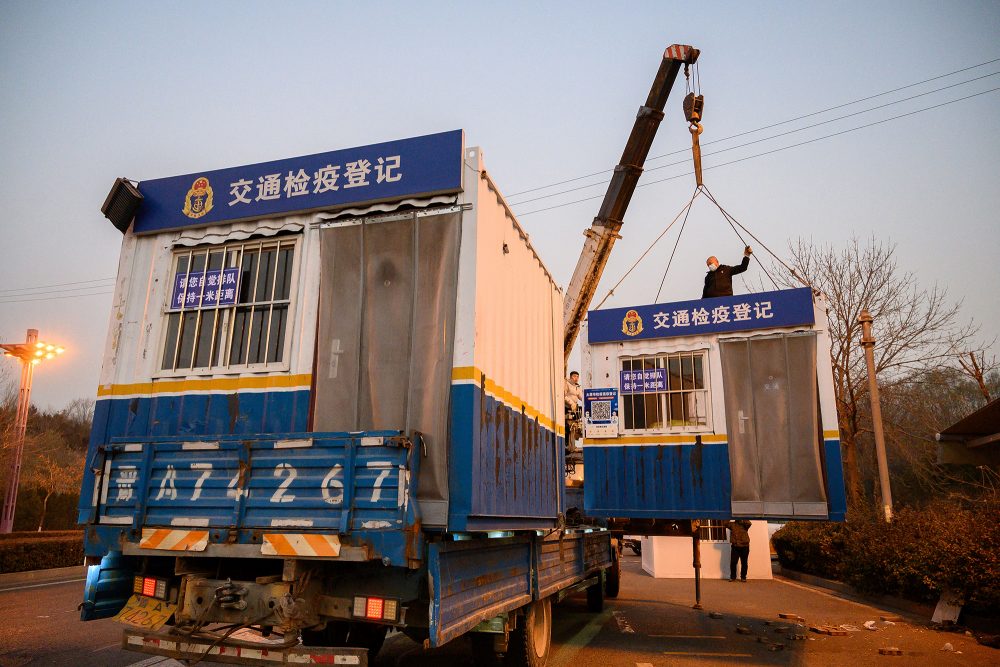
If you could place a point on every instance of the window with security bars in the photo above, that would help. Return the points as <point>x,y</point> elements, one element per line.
<point>664,392</point>
<point>713,530</point>
<point>229,306</point>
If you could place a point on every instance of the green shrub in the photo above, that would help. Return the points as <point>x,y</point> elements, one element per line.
<point>921,554</point>
<point>41,552</point>
<point>811,547</point>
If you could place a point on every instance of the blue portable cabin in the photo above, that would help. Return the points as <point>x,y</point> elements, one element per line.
<point>712,409</point>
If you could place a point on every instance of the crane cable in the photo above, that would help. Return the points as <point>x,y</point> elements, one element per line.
<point>736,226</point>
<point>734,223</point>
<point>683,211</point>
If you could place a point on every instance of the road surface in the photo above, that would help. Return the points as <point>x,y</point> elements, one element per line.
<point>651,624</point>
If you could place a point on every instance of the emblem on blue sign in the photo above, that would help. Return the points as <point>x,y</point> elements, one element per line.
<point>632,324</point>
<point>198,200</point>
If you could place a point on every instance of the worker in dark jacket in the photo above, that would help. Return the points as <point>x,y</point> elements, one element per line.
<point>719,279</point>
<point>739,545</point>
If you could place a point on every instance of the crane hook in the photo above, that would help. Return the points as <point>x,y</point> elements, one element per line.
<point>694,108</point>
<point>696,129</point>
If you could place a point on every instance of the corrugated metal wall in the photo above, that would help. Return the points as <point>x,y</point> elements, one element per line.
<point>507,383</point>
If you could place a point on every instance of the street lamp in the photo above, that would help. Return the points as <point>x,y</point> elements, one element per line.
<point>31,353</point>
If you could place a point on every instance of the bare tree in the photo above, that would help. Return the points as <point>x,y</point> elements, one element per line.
<point>52,475</point>
<point>916,328</point>
<point>978,366</point>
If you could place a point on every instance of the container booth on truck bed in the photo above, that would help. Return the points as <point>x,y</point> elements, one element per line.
<point>711,409</point>
<point>337,375</point>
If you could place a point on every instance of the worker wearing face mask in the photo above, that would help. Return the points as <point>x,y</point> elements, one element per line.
<point>719,279</point>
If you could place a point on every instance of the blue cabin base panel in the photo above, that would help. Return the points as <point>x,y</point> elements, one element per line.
<point>505,469</point>
<point>657,481</point>
<point>681,481</point>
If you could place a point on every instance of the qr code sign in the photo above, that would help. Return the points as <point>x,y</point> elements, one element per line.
<point>600,411</point>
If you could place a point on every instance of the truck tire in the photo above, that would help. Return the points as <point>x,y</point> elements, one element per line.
<point>530,642</point>
<point>613,575</point>
<point>595,597</point>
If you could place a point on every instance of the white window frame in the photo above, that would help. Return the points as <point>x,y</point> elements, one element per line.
<point>228,312</point>
<point>704,353</point>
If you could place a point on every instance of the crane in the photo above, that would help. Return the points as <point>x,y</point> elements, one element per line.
<point>603,232</point>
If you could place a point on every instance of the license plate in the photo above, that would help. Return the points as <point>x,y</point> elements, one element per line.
<point>145,613</point>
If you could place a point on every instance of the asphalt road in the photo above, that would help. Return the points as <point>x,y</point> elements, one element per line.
<point>651,624</point>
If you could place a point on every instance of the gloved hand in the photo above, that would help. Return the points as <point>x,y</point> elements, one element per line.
<point>747,251</point>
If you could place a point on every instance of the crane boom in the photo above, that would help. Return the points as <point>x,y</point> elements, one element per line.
<point>603,232</point>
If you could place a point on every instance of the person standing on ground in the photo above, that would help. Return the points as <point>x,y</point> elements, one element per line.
<point>739,544</point>
<point>719,279</point>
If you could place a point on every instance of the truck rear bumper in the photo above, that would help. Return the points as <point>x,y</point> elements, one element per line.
<point>238,652</point>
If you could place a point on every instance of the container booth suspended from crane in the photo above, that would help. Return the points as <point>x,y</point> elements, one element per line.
<point>706,409</point>
<point>711,409</point>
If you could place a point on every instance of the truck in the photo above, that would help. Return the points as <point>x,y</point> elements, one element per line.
<point>331,404</point>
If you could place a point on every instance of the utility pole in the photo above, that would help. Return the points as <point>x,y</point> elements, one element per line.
<point>868,342</point>
<point>31,353</point>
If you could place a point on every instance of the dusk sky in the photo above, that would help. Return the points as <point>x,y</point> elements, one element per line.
<point>93,91</point>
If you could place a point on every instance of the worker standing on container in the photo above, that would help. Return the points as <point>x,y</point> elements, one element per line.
<point>719,279</point>
<point>739,547</point>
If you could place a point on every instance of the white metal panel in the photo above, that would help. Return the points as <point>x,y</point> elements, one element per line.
<point>133,349</point>
<point>509,307</point>
<point>603,361</point>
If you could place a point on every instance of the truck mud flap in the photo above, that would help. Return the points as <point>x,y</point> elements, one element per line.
<point>239,652</point>
<point>108,587</point>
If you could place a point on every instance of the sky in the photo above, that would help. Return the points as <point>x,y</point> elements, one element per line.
<point>93,91</point>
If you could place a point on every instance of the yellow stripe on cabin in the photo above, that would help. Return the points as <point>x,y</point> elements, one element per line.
<point>512,401</point>
<point>686,439</point>
<point>303,381</point>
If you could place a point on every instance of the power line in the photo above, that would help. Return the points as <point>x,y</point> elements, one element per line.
<point>50,298</point>
<point>75,282</point>
<point>776,150</point>
<point>765,127</point>
<point>67,291</point>
<point>757,141</point>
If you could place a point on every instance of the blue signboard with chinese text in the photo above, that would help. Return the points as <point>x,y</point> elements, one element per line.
<point>600,413</point>
<point>205,289</point>
<point>643,381</point>
<point>763,310</point>
<point>418,166</point>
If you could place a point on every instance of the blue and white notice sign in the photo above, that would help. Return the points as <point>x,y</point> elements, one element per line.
<point>419,166</point>
<point>644,381</point>
<point>763,310</point>
<point>600,413</point>
<point>205,289</point>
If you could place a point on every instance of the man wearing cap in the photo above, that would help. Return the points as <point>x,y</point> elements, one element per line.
<point>719,279</point>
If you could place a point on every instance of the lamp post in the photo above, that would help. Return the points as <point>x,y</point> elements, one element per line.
<point>31,353</point>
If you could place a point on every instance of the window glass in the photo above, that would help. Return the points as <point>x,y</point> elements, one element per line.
<point>213,323</point>
<point>669,393</point>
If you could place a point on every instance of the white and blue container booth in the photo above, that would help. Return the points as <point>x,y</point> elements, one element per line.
<point>712,409</point>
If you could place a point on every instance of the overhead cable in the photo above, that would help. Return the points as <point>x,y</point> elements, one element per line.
<point>770,152</point>
<point>757,141</point>
<point>766,127</point>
